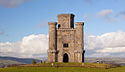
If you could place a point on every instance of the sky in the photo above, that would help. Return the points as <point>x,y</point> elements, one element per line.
<point>24,28</point>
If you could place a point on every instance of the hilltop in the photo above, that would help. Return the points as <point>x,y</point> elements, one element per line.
<point>65,67</point>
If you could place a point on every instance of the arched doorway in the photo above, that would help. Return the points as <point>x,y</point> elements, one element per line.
<point>65,58</point>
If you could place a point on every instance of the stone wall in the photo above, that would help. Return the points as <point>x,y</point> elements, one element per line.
<point>66,36</point>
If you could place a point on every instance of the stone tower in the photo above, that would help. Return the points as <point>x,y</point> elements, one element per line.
<point>65,41</point>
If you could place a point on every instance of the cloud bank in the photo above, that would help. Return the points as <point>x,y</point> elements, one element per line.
<point>108,44</point>
<point>35,46</point>
<point>32,46</point>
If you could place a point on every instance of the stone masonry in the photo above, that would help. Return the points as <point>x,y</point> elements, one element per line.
<point>65,41</point>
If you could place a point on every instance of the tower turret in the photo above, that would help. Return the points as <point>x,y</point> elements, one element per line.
<point>52,42</point>
<point>66,21</point>
<point>79,40</point>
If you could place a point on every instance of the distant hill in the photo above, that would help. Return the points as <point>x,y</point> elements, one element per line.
<point>5,63</point>
<point>109,60</point>
<point>9,62</point>
<point>20,60</point>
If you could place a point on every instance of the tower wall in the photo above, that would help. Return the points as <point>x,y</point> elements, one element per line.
<point>52,42</point>
<point>79,42</point>
<point>66,36</point>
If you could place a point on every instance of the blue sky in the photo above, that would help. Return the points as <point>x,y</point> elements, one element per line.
<point>24,19</point>
<point>23,25</point>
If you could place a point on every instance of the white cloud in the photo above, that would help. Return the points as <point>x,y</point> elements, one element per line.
<point>111,44</point>
<point>112,50</point>
<point>11,3</point>
<point>106,14</point>
<point>27,48</point>
<point>35,46</point>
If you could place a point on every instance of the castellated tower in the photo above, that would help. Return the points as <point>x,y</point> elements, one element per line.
<point>65,41</point>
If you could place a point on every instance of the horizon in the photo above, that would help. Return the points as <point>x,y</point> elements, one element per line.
<point>24,28</point>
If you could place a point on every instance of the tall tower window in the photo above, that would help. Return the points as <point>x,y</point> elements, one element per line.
<point>65,45</point>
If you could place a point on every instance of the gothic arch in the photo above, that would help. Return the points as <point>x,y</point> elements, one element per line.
<point>65,57</point>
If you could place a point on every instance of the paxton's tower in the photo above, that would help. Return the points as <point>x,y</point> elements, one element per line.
<point>65,41</point>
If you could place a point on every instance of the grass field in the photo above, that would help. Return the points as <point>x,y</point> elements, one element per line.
<point>29,68</point>
<point>58,64</point>
<point>60,69</point>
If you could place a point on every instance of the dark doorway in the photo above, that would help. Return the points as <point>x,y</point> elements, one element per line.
<point>65,58</point>
<point>58,25</point>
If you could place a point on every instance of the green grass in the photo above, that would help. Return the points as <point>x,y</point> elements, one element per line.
<point>85,65</point>
<point>90,67</point>
<point>60,69</point>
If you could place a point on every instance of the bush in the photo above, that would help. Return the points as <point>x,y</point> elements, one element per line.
<point>33,61</point>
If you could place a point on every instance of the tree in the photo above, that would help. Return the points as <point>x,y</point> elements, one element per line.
<point>33,61</point>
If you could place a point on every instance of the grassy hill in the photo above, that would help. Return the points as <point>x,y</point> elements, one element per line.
<point>5,63</point>
<point>60,69</point>
<point>65,67</point>
<point>9,62</point>
<point>61,64</point>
